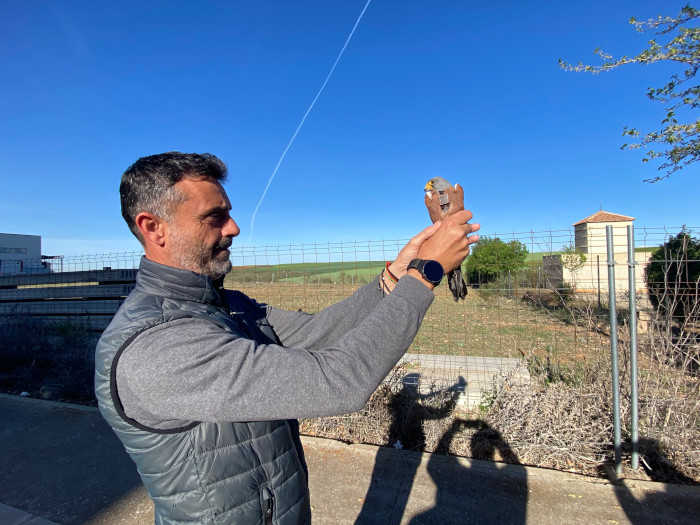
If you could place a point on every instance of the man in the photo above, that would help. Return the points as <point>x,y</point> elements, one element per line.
<point>204,385</point>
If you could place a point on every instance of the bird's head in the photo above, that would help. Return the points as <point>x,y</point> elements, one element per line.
<point>436,184</point>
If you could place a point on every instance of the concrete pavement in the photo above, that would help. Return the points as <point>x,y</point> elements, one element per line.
<point>61,464</point>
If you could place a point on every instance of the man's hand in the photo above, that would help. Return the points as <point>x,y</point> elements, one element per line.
<point>446,241</point>
<point>410,251</point>
<point>450,244</point>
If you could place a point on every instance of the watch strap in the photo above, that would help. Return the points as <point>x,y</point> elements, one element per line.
<point>420,264</point>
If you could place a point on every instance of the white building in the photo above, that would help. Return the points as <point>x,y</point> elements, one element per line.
<point>591,239</point>
<point>20,254</point>
<point>590,233</point>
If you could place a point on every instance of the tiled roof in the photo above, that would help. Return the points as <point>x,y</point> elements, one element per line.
<point>604,216</point>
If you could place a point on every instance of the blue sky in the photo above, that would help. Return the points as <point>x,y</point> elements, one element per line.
<point>469,91</point>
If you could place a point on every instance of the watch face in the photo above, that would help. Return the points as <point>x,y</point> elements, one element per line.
<point>433,271</point>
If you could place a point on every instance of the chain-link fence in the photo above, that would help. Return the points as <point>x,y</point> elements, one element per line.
<point>527,352</point>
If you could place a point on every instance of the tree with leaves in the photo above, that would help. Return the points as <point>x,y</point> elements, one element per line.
<point>679,142</point>
<point>491,257</point>
<point>572,259</point>
<point>673,277</point>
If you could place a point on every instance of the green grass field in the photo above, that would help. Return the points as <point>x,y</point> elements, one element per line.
<point>312,272</point>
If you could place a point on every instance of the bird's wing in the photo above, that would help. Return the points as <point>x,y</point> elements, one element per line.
<point>455,197</point>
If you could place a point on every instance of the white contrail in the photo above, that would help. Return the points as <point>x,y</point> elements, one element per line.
<point>347,41</point>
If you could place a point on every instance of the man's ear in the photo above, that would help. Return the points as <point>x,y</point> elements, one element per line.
<point>153,229</point>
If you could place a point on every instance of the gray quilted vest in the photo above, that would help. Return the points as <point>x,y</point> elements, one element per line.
<point>203,472</point>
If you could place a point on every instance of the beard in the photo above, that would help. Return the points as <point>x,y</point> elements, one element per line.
<point>194,255</point>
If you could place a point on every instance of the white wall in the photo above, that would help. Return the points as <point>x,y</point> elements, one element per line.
<point>20,253</point>
<point>591,238</point>
<point>587,278</point>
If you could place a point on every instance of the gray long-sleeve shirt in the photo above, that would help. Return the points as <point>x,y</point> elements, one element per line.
<point>327,363</point>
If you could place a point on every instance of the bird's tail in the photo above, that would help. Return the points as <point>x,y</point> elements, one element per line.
<point>457,285</point>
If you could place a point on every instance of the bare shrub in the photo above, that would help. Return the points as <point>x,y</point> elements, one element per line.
<point>56,357</point>
<point>557,424</point>
<point>561,420</point>
<point>397,415</point>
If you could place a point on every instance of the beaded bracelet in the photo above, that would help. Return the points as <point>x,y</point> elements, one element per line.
<point>391,275</point>
<point>383,286</point>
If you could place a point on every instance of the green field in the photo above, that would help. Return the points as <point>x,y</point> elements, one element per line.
<point>347,272</point>
<point>355,272</point>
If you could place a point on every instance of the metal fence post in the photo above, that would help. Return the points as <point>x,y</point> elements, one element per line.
<point>597,258</point>
<point>633,348</point>
<point>617,438</point>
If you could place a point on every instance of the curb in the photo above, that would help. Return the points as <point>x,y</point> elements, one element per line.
<point>56,404</point>
<point>12,516</point>
<point>502,468</point>
<point>652,486</point>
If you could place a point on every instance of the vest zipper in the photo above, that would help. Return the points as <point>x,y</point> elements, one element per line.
<point>267,506</point>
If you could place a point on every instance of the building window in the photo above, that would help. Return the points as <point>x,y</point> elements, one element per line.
<point>13,250</point>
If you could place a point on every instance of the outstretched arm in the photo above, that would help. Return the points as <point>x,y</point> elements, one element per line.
<point>299,329</point>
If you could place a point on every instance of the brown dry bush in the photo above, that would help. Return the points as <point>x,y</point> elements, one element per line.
<point>396,415</point>
<point>565,424</point>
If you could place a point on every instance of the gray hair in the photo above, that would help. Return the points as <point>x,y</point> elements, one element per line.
<point>148,185</point>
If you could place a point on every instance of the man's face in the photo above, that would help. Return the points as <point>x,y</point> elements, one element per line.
<point>201,229</point>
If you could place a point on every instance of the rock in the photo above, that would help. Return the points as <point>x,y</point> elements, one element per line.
<point>49,392</point>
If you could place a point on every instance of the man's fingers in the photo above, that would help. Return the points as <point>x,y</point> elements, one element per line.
<point>462,216</point>
<point>410,251</point>
<point>427,233</point>
<point>423,236</point>
<point>471,239</point>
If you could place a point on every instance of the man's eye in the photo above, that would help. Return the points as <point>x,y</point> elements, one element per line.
<point>219,216</point>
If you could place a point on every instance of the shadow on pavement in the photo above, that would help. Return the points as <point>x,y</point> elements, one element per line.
<point>647,510</point>
<point>463,494</point>
<point>41,477</point>
<point>409,410</point>
<point>487,499</point>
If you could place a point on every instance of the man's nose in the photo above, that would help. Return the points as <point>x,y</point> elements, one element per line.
<point>230,229</point>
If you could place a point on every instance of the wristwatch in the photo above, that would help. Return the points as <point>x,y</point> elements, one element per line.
<point>431,271</point>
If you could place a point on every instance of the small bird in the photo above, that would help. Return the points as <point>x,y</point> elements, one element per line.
<point>442,200</point>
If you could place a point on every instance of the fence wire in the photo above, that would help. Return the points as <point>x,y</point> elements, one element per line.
<point>527,352</point>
